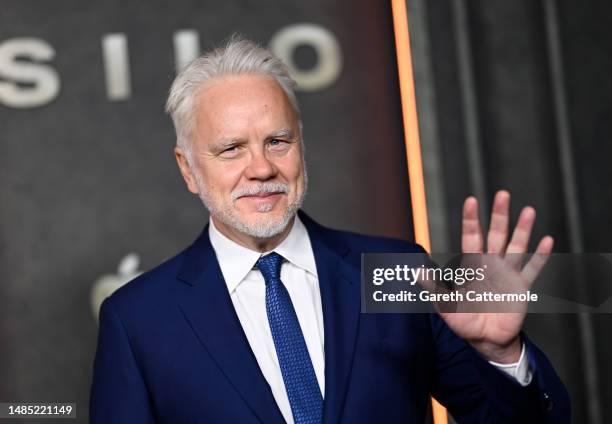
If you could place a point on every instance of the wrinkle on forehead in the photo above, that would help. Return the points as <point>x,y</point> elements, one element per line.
<point>230,106</point>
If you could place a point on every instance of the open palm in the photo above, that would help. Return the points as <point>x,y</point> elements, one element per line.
<point>496,335</point>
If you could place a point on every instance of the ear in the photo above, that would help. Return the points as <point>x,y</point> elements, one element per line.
<point>183,164</point>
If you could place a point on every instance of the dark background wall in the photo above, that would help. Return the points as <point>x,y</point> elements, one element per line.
<point>506,91</point>
<point>522,100</point>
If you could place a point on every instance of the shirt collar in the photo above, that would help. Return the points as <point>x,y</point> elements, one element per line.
<point>236,261</point>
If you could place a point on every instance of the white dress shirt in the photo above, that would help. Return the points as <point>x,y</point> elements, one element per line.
<point>247,290</point>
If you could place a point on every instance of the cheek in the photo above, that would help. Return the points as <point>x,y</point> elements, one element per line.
<point>222,177</point>
<point>291,168</point>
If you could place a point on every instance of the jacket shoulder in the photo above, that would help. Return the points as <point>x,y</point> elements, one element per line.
<point>364,243</point>
<point>149,288</point>
<point>378,244</point>
<point>360,243</point>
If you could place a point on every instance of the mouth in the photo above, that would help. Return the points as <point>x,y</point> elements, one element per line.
<point>263,198</point>
<point>261,195</point>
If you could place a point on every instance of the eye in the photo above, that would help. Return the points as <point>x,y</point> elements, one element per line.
<point>230,152</point>
<point>278,144</point>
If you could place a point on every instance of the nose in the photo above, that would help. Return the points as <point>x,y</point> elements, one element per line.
<point>260,167</point>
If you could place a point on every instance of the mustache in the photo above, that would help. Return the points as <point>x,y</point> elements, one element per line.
<point>258,189</point>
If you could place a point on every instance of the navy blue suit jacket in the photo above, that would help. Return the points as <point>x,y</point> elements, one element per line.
<point>171,350</point>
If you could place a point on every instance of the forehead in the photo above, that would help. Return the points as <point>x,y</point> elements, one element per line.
<point>242,102</point>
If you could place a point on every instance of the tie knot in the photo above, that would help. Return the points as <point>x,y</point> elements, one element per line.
<point>270,266</point>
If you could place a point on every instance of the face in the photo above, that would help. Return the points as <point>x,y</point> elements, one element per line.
<point>246,156</point>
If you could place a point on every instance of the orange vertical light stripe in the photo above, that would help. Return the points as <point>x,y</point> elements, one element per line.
<point>413,145</point>
<point>411,124</point>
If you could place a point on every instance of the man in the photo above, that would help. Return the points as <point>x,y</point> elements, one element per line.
<point>259,319</point>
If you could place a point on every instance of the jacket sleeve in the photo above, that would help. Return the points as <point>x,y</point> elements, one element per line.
<point>474,391</point>
<point>118,392</point>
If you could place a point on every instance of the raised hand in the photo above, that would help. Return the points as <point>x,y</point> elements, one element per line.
<point>496,335</point>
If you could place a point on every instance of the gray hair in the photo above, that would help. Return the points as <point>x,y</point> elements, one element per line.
<point>237,56</point>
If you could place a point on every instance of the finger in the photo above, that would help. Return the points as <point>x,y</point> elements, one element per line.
<point>522,231</point>
<point>498,228</point>
<point>471,234</point>
<point>520,237</point>
<point>538,260</point>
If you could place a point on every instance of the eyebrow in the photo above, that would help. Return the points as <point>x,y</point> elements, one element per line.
<point>223,143</point>
<point>228,142</point>
<point>281,133</point>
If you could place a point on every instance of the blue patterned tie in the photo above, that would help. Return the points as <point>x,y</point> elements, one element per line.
<point>296,367</point>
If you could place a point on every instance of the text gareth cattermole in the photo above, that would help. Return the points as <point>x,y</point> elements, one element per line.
<point>411,275</point>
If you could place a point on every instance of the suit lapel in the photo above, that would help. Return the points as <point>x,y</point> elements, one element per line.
<point>340,297</point>
<point>208,308</point>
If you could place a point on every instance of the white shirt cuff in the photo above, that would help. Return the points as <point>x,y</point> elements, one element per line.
<point>518,370</point>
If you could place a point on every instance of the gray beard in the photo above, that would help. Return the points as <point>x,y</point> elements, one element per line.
<point>263,228</point>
